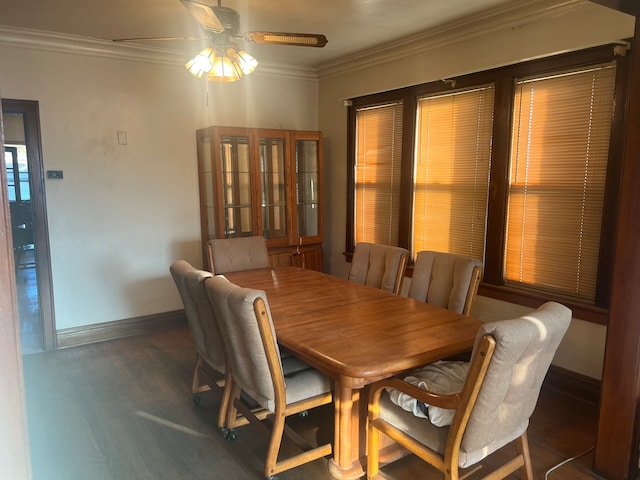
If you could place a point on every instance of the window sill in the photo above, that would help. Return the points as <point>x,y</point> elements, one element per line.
<point>583,312</point>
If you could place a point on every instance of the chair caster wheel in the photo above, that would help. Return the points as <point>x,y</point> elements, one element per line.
<point>196,399</point>
<point>231,434</point>
<point>303,414</point>
<point>224,432</point>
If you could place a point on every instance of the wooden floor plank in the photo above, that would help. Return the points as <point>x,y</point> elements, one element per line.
<point>123,410</point>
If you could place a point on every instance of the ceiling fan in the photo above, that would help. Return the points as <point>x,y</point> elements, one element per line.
<point>222,60</point>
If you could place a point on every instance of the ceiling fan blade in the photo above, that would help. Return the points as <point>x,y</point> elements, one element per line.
<point>282,38</point>
<point>204,15</point>
<point>141,39</point>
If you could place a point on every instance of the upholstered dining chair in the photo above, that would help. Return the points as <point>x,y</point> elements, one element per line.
<point>236,254</point>
<point>446,280</point>
<point>379,266</point>
<point>204,330</point>
<point>508,365</point>
<point>256,369</point>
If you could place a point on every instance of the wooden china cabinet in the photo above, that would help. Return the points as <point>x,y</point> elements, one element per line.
<point>263,182</point>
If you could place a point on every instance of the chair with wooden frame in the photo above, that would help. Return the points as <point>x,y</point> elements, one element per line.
<point>210,361</point>
<point>236,254</point>
<point>379,266</point>
<point>210,369</point>
<point>255,368</point>
<point>446,280</point>
<point>509,362</point>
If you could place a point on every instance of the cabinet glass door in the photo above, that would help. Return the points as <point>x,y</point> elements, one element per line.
<point>308,188</point>
<point>273,188</point>
<point>208,199</point>
<point>236,186</point>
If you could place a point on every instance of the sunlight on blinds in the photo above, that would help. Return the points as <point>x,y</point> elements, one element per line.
<point>559,155</point>
<point>377,173</point>
<point>451,174</point>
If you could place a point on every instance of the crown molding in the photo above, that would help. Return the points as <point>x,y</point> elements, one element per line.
<point>77,45</point>
<point>510,15</point>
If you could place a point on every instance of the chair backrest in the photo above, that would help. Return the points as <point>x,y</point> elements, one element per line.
<point>203,326</point>
<point>524,349</point>
<point>237,254</point>
<point>446,280</point>
<point>253,356</point>
<point>379,266</point>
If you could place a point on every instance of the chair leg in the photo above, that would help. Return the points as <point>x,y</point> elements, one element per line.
<point>225,401</point>
<point>522,445</point>
<point>275,441</point>
<point>195,381</point>
<point>231,409</point>
<point>373,448</point>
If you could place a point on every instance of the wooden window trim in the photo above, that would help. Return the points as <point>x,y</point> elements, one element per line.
<point>503,79</point>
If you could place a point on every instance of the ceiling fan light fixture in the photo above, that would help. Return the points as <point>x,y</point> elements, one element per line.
<point>222,64</point>
<point>201,63</point>
<point>246,62</point>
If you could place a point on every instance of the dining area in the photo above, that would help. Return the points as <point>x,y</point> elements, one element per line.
<point>275,343</point>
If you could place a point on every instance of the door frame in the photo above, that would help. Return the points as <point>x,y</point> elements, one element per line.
<point>30,111</point>
<point>15,459</point>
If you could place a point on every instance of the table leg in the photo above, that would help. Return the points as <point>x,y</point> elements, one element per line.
<point>345,463</point>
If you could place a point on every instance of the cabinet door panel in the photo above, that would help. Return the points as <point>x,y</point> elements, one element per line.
<point>273,182</point>
<point>236,184</point>
<point>308,187</point>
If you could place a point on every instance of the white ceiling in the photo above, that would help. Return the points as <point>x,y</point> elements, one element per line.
<point>350,25</point>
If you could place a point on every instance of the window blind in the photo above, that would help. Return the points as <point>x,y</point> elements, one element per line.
<point>451,172</point>
<point>377,173</point>
<point>558,166</point>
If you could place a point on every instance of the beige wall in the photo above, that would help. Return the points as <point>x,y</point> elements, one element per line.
<point>452,52</point>
<point>123,213</point>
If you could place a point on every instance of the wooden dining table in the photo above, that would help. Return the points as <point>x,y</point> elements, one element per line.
<point>356,335</point>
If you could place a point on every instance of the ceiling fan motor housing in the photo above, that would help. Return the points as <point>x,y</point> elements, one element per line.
<point>229,18</point>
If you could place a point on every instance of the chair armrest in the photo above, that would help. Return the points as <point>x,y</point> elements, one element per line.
<point>450,401</point>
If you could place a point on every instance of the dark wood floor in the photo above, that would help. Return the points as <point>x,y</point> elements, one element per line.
<point>122,410</point>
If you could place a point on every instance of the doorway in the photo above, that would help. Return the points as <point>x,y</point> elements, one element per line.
<point>27,208</point>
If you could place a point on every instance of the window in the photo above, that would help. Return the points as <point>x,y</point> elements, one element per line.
<point>377,173</point>
<point>17,168</point>
<point>513,166</point>
<point>559,156</point>
<point>451,172</point>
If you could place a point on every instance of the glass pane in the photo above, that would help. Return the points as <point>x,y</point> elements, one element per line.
<point>308,220</point>
<point>206,153</point>
<point>274,221</point>
<point>238,222</point>
<point>236,185</point>
<point>273,187</point>
<point>307,194</point>
<point>207,178</point>
<point>211,222</point>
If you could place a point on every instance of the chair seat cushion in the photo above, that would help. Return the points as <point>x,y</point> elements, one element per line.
<point>405,421</point>
<point>303,385</point>
<point>427,433</point>
<point>442,377</point>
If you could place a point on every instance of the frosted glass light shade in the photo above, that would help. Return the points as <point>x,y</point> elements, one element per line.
<point>222,64</point>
